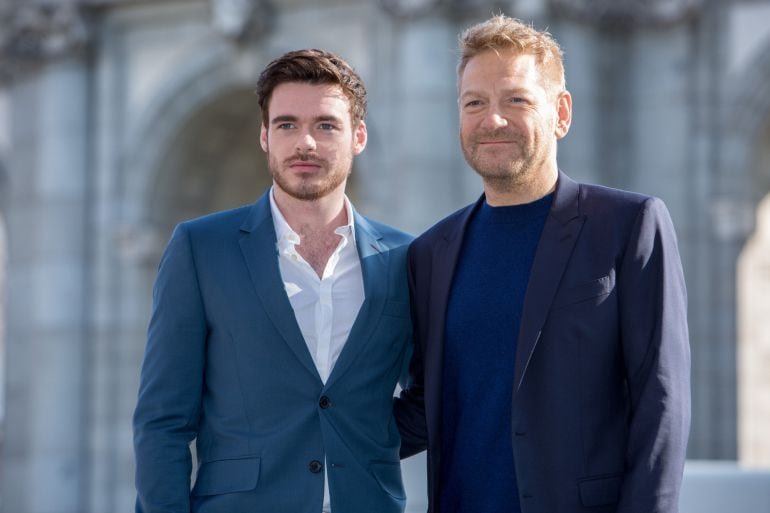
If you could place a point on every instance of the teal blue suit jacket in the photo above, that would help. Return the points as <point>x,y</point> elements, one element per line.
<point>226,365</point>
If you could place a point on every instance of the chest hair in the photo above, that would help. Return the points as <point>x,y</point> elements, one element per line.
<point>317,247</point>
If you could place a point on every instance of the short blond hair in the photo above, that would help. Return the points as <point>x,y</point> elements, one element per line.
<point>501,32</point>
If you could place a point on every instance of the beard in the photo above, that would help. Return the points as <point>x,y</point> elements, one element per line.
<point>311,186</point>
<point>506,166</point>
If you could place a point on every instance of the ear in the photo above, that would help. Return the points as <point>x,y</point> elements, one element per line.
<point>359,138</point>
<point>563,114</point>
<point>263,138</point>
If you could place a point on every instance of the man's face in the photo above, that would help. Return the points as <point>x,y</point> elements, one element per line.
<point>310,141</point>
<point>509,120</point>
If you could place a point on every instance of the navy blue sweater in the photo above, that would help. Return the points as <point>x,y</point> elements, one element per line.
<point>482,326</point>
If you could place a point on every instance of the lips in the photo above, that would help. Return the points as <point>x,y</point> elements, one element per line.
<point>304,164</point>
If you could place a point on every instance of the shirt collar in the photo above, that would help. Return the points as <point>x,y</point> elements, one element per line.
<point>288,238</point>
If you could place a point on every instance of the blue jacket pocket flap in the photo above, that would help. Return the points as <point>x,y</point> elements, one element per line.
<point>601,491</point>
<point>227,476</point>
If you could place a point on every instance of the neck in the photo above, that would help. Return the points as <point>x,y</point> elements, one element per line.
<point>535,185</point>
<point>319,216</point>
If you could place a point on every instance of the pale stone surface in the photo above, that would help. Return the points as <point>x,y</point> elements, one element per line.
<point>105,159</point>
<point>749,34</point>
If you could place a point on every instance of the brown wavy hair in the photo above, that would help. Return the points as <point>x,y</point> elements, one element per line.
<point>312,66</point>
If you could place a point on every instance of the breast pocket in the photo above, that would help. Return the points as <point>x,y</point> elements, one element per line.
<point>595,290</point>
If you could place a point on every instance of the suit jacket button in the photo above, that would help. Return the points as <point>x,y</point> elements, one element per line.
<point>315,466</point>
<point>324,402</point>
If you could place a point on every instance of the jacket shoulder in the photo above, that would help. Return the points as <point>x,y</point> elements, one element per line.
<point>215,225</point>
<point>391,237</point>
<point>602,200</point>
<point>445,228</point>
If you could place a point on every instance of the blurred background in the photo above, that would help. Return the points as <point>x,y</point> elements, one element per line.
<point>119,118</point>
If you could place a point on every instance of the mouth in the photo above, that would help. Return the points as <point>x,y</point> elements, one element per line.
<point>304,165</point>
<point>492,143</point>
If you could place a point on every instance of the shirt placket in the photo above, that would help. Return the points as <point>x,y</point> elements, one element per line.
<point>325,310</point>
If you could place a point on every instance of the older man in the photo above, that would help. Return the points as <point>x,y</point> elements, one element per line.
<point>551,365</point>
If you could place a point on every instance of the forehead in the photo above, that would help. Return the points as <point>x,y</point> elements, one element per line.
<point>301,99</point>
<point>502,68</point>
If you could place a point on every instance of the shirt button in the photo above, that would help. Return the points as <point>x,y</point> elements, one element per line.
<point>315,466</point>
<point>324,402</point>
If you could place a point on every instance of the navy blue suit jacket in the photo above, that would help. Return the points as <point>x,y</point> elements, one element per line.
<point>226,365</point>
<point>601,395</point>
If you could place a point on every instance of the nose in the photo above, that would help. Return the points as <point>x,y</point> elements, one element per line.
<point>493,119</point>
<point>306,142</point>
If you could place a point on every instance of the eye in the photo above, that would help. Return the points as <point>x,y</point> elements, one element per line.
<point>285,126</point>
<point>517,99</point>
<point>326,126</point>
<point>473,103</point>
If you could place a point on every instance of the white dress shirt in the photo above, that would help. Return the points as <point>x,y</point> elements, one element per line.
<point>325,307</point>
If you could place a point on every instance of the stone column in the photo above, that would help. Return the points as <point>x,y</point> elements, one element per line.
<point>46,375</point>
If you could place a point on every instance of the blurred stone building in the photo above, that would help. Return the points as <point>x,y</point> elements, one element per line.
<point>119,118</point>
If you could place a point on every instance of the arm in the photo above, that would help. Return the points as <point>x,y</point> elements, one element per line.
<point>168,407</point>
<point>409,407</point>
<point>653,330</point>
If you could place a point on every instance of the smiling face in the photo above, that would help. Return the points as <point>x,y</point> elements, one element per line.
<point>510,120</point>
<point>310,140</point>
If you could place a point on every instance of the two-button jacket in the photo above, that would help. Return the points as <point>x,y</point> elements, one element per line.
<point>601,394</point>
<point>226,365</point>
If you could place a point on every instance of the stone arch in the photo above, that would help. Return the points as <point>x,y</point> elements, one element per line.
<point>208,75</point>
<point>213,82</point>
<point>744,199</point>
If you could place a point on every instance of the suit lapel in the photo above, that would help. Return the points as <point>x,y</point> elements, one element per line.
<point>374,259</point>
<point>553,252</point>
<point>444,262</point>
<point>258,245</point>
<point>444,259</point>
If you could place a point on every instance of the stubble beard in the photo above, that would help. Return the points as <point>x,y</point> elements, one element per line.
<point>309,188</point>
<point>505,172</point>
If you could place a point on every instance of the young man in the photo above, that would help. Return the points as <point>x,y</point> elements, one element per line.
<point>279,329</point>
<point>551,364</point>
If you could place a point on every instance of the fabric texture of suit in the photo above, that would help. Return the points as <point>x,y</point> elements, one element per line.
<point>601,395</point>
<point>226,366</point>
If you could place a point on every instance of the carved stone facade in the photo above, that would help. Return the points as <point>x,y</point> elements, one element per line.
<point>32,33</point>
<point>129,116</point>
<point>628,13</point>
<point>241,19</point>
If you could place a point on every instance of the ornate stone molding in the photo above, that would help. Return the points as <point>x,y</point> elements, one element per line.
<point>415,9</point>
<point>628,13</point>
<point>33,33</point>
<point>410,9</point>
<point>240,19</point>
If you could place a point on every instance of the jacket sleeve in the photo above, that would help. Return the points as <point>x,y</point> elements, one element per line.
<point>409,406</point>
<point>656,352</point>
<point>168,407</point>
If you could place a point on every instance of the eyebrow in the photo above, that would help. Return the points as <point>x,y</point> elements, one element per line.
<point>293,119</point>
<point>513,90</point>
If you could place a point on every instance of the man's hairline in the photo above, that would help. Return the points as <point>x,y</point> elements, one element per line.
<point>553,87</point>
